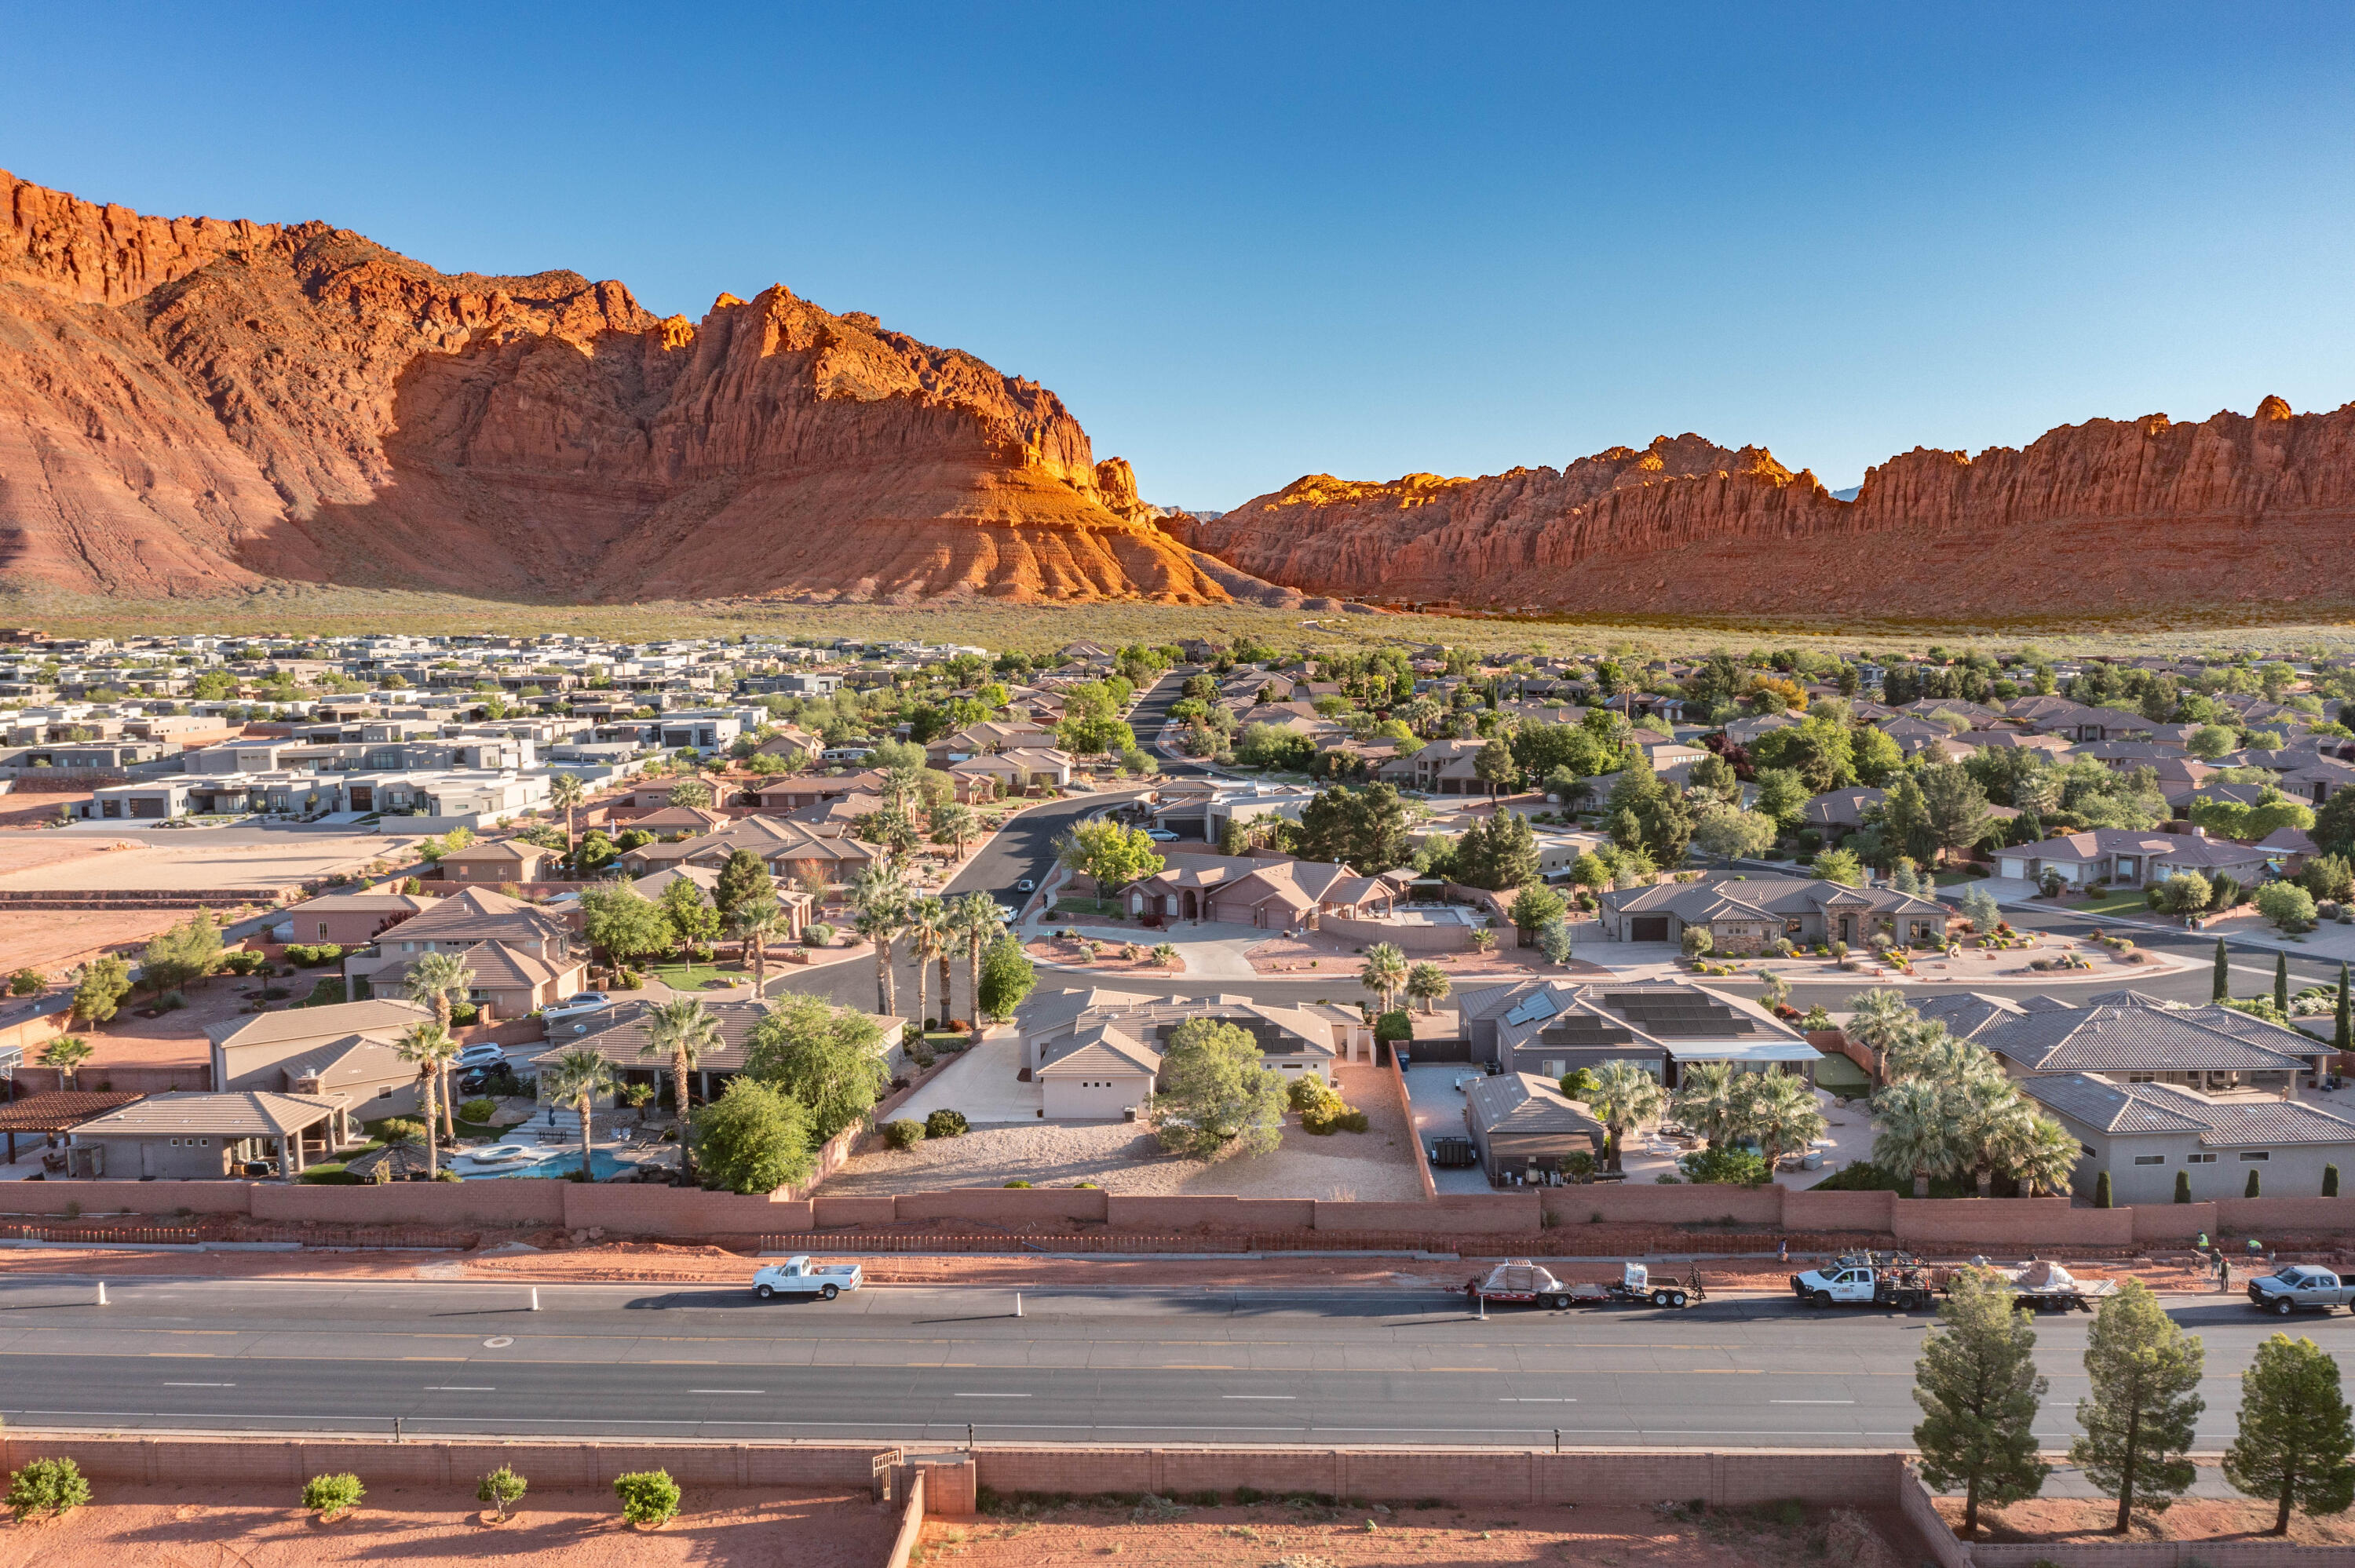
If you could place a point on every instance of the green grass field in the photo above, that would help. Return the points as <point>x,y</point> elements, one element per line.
<point>695,977</point>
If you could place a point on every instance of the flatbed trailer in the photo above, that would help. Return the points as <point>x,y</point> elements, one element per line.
<point>1521,1280</point>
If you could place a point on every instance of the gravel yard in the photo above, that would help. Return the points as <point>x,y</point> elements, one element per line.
<point>1121,1157</point>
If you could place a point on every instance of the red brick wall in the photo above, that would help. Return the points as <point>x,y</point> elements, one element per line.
<point>451,1466</point>
<point>97,1198</point>
<point>830,1213</point>
<point>1470,1214</point>
<point>2261,1215</point>
<point>520,1201</point>
<point>1006,1207</point>
<point>635,1209</point>
<point>1683,1204</point>
<point>195,1075</point>
<point>1812,1211</point>
<point>2180,1221</point>
<point>1124,1212</point>
<point>2011,1223</point>
<point>1406,1106</point>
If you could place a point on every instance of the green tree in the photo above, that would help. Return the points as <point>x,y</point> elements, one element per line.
<point>1875,757</point>
<point>1112,854</point>
<point>755,924</point>
<point>623,924</point>
<point>754,1138</point>
<point>64,1055</point>
<point>2342,1037</point>
<point>428,1047</point>
<point>2296,1443</point>
<point>333,1494</point>
<point>1426,982</point>
<point>978,922</point>
<point>1362,826</point>
<point>2144,1407</point>
<point>1535,906</point>
<point>929,935</point>
<point>436,980</point>
<point>51,1487</point>
<point>828,1058</point>
<point>1979,1389</point>
<point>2281,984</point>
<point>105,983</point>
<point>2185,893</point>
<point>679,1034</point>
<point>1782,795</point>
<point>692,793</point>
<point>1954,808</point>
<point>1905,819</point>
<point>1731,833</point>
<point>1006,977</point>
<point>2221,990</point>
<point>743,879</point>
<point>1493,766</point>
<point>565,792</point>
<point>1820,750</point>
<point>1385,972</point>
<point>187,952</point>
<point>579,1078</point>
<point>1216,1097</point>
<point>693,923</point>
<point>502,1488</point>
<point>1841,867</point>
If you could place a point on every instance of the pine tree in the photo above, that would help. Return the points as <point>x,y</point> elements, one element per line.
<point>2281,982</point>
<point>2297,1442</point>
<point>2102,1199</point>
<point>2329,1180</point>
<point>1979,1389</point>
<point>2342,1036</point>
<point>2143,1409</point>
<point>2183,1186</point>
<point>2255,1188</point>
<point>2222,990</point>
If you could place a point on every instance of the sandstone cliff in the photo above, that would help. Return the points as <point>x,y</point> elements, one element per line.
<point>190,406</point>
<point>2237,512</point>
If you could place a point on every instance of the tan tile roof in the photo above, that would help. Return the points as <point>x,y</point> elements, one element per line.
<point>243,1113</point>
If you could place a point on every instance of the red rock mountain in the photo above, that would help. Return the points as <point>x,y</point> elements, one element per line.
<point>2241,514</point>
<point>189,406</point>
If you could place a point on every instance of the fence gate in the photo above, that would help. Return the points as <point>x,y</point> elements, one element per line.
<point>879,1471</point>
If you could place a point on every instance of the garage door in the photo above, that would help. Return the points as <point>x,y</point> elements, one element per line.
<point>1648,929</point>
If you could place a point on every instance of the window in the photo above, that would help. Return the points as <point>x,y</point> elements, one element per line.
<point>384,1092</point>
<point>175,1143</point>
<point>322,930</point>
<point>2088,1149</point>
<point>2150,1158</point>
<point>2199,1159</point>
<point>2142,1078</point>
<point>2255,1155</point>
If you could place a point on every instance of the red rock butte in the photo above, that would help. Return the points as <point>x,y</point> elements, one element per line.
<point>2237,514</point>
<point>191,406</point>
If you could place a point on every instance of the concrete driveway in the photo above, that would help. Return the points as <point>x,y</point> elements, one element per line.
<point>1439,1112</point>
<point>983,1082</point>
<point>1212,950</point>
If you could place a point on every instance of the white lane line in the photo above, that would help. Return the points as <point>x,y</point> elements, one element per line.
<point>1258,1396</point>
<point>200,1385</point>
<point>727,1391</point>
<point>1811,1402</point>
<point>459,1388</point>
<point>1531,1399</point>
<point>991,1396</point>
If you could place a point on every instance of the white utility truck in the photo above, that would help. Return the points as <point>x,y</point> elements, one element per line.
<point>800,1277</point>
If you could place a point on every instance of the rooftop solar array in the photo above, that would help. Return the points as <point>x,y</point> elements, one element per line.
<point>1585,1029</point>
<point>1673,1016</point>
<point>1541,1004</point>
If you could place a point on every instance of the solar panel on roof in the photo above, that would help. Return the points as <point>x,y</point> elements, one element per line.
<point>1541,1005</point>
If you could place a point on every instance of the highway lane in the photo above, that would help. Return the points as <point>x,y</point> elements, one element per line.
<point>1410,1365</point>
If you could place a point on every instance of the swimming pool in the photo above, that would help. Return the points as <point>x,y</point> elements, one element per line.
<point>556,1162</point>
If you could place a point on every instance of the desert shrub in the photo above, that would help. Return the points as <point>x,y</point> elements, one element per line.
<point>311,958</point>
<point>819,936</point>
<point>904,1133</point>
<point>946,1124</point>
<point>1394,1025</point>
<point>47,1486</point>
<point>501,1487</point>
<point>26,982</point>
<point>1737,1167</point>
<point>1018,1183</point>
<point>648,1497</point>
<point>171,1001</point>
<point>478,1110</point>
<point>333,1494</point>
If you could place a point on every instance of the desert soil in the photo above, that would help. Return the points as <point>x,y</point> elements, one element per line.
<point>188,1527</point>
<point>2088,1520</point>
<point>78,861</point>
<point>1284,1536</point>
<point>1120,1157</point>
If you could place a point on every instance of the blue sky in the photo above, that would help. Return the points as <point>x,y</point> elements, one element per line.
<point>1247,243</point>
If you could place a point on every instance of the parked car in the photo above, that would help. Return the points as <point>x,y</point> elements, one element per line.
<point>799,1277</point>
<point>2299,1287</point>
<point>498,1078</point>
<point>1008,913</point>
<point>1025,886</point>
<point>580,1001</point>
<point>482,1055</point>
<point>1160,835</point>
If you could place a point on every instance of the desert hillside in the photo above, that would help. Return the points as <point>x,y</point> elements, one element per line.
<point>2244,512</point>
<point>193,405</point>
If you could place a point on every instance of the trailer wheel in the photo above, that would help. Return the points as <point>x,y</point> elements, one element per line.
<point>1820,1299</point>
<point>1557,1303</point>
<point>1675,1297</point>
<point>1659,1299</point>
<point>2285,1306</point>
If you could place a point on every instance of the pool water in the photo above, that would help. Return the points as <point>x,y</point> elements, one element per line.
<point>561,1162</point>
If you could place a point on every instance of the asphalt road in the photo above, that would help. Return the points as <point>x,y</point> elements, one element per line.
<point>1228,1366</point>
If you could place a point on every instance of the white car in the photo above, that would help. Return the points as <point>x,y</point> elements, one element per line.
<point>578,1002</point>
<point>1025,886</point>
<point>799,1277</point>
<point>484,1055</point>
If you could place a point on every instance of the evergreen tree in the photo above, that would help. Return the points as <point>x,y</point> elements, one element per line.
<point>2281,982</point>
<point>1979,1389</point>
<point>2144,1407</point>
<point>2256,1188</point>
<point>2297,1442</point>
<point>2222,990</point>
<point>743,880</point>
<point>2342,1036</point>
<point>2329,1180</point>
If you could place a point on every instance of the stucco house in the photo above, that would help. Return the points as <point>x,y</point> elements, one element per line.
<point>2145,1135</point>
<point>2129,857</point>
<point>186,1136</point>
<point>1523,1124</point>
<point>1272,894</point>
<point>1097,1054</point>
<point>349,1052</point>
<point>1747,914</point>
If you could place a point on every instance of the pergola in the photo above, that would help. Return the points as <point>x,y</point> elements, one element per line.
<point>60,1111</point>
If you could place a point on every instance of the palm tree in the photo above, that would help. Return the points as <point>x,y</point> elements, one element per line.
<point>1781,1112</point>
<point>2044,1156</point>
<point>1624,1095</point>
<point>954,822</point>
<point>434,978</point>
<point>1874,1018</point>
<point>578,1076</point>
<point>928,935</point>
<point>1709,1100</point>
<point>880,900</point>
<point>429,1046</point>
<point>1915,1134</point>
<point>1384,971</point>
<point>684,1031</point>
<point>979,918</point>
<point>1427,982</point>
<point>565,792</point>
<point>1921,1048</point>
<point>755,921</point>
<point>67,1052</point>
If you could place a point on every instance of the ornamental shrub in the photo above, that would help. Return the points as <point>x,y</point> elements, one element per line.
<point>904,1133</point>
<point>47,1486</point>
<point>501,1487</point>
<point>648,1497</point>
<point>333,1494</point>
<point>946,1124</point>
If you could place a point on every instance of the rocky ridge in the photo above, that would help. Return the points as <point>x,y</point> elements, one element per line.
<point>2107,518</point>
<point>190,406</point>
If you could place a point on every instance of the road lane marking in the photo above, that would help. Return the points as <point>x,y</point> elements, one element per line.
<point>459,1388</point>
<point>727,1391</point>
<point>200,1385</point>
<point>1258,1396</point>
<point>1533,1399</point>
<point>991,1396</point>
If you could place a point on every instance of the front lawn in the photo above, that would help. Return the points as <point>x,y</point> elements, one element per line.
<point>2128,903</point>
<point>695,976</point>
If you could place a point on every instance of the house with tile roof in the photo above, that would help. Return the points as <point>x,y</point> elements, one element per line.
<point>1749,914</point>
<point>2129,857</point>
<point>349,1052</point>
<point>2145,1135</point>
<point>1275,894</point>
<point>523,957</point>
<point>1523,1125</point>
<point>2132,1037</point>
<point>1096,1053</point>
<point>621,1033</point>
<point>1554,1028</point>
<point>190,1137</point>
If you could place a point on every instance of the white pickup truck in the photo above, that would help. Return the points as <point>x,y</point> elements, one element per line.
<point>1903,1287</point>
<point>800,1277</point>
<point>2299,1287</point>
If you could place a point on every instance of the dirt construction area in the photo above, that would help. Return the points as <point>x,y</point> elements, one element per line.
<point>2088,1521</point>
<point>1376,1165</point>
<point>184,1527</point>
<point>78,861</point>
<point>1291,1535</point>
